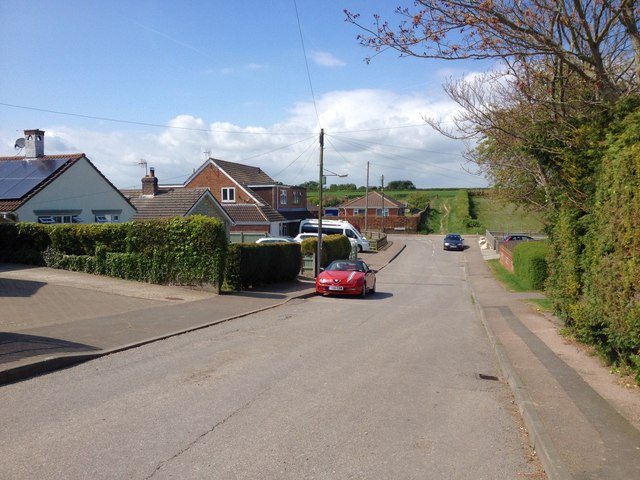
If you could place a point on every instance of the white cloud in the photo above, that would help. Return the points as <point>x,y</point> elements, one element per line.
<point>381,127</point>
<point>326,59</point>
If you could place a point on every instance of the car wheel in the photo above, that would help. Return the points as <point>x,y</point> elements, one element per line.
<point>364,290</point>
<point>360,248</point>
<point>373,289</point>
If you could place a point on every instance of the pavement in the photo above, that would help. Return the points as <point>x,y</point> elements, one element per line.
<point>583,421</point>
<point>52,319</point>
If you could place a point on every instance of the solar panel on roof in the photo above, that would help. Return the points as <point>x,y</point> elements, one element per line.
<point>19,177</point>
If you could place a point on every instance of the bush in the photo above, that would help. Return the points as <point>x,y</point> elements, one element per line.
<point>334,247</point>
<point>23,243</point>
<point>530,264</point>
<point>185,251</point>
<point>251,264</point>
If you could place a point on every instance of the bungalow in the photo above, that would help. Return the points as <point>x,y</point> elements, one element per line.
<point>374,205</point>
<point>66,188</point>
<point>156,201</point>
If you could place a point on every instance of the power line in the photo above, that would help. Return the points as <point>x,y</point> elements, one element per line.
<point>306,61</point>
<point>193,129</point>
<point>146,124</point>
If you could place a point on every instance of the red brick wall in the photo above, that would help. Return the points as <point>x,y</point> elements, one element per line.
<point>506,257</point>
<point>266,194</point>
<point>272,197</point>
<point>214,179</point>
<point>409,224</point>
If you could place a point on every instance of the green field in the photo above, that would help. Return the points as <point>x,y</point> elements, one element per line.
<point>489,213</point>
<point>495,215</point>
<point>400,195</point>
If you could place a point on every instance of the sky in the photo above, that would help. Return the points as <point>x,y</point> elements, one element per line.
<point>170,83</point>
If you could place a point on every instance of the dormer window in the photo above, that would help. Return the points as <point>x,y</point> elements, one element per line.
<point>283,197</point>
<point>228,194</point>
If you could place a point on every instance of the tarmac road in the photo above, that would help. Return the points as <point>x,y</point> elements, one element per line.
<point>385,387</point>
<point>583,422</point>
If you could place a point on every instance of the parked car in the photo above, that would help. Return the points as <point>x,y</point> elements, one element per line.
<point>453,241</point>
<point>275,240</point>
<point>346,277</point>
<point>517,238</point>
<point>336,227</point>
<point>303,236</point>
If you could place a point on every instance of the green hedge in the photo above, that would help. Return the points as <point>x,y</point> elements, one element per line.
<point>530,264</point>
<point>23,242</point>
<point>595,257</point>
<point>334,247</point>
<point>251,264</point>
<point>183,251</point>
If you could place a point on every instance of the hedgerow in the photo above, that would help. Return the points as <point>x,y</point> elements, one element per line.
<point>183,251</point>
<point>595,254</point>
<point>530,264</point>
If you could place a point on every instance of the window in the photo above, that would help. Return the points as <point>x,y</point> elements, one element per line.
<point>50,219</point>
<point>297,197</point>
<point>379,212</point>
<point>107,218</point>
<point>358,211</point>
<point>228,194</point>
<point>283,197</point>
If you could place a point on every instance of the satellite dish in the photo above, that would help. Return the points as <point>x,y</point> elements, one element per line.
<point>19,143</point>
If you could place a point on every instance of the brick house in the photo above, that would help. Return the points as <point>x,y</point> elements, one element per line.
<point>159,201</point>
<point>383,213</point>
<point>254,201</point>
<point>376,203</point>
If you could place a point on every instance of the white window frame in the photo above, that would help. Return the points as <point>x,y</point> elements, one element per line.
<point>379,212</point>
<point>107,218</point>
<point>283,197</point>
<point>51,219</point>
<point>228,194</point>
<point>297,197</point>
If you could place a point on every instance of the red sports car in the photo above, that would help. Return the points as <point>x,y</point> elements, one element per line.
<point>346,277</point>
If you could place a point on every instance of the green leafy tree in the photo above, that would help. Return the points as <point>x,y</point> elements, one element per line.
<point>418,200</point>
<point>401,185</point>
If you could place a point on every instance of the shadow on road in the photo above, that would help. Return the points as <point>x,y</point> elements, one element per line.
<point>18,346</point>
<point>10,287</point>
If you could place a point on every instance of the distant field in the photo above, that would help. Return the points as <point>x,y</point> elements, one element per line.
<point>490,213</point>
<point>495,215</point>
<point>400,195</point>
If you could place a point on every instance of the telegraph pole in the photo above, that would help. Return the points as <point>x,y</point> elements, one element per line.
<point>366,201</point>
<point>382,188</point>
<point>319,252</point>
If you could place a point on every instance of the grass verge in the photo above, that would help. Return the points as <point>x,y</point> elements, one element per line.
<point>504,276</point>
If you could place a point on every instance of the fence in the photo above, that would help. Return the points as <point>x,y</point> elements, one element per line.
<point>245,237</point>
<point>494,237</point>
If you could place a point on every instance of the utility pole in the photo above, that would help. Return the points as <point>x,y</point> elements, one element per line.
<point>382,188</point>
<point>319,252</point>
<point>366,201</point>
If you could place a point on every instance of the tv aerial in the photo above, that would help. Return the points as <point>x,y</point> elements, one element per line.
<point>143,163</point>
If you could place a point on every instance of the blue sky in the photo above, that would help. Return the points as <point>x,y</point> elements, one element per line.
<point>251,82</point>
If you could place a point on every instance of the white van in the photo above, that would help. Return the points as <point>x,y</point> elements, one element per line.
<point>336,227</point>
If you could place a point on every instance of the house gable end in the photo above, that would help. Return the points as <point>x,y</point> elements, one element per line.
<point>216,178</point>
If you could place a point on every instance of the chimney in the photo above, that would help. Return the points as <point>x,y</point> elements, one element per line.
<point>34,143</point>
<point>150,183</point>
